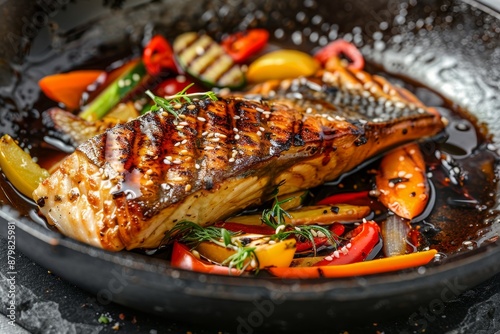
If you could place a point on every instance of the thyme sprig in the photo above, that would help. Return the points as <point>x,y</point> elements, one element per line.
<point>167,103</point>
<point>193,234</point>
<point>276,219</point>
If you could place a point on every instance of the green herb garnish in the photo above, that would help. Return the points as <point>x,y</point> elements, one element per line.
<point>276,219</point>
<point>192,234</point>
<point>167,103</point>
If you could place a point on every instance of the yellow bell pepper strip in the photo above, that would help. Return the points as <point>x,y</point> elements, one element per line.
<point>281,64</point>
<point>308,215</point>
<point>372,267</point>
<point>339,48</point>
<point>183,258</point>
<point>19,168</point>
<point>67,88</point>
<point>268,253</point>
<point>402,181</point>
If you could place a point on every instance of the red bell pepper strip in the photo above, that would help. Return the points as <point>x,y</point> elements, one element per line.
<point>158,56</point>
<point>338,48</point>
<point>354,198</point>
<point>365,237</point>
<point>337,229</point>
<point>388,264</point>
<point>184,259</point>
<point>251,229</point>
<point>242,45</point>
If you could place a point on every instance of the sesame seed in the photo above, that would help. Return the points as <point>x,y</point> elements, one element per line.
<point>187,187</point>
<point>197,166</point>
<point>182,116</point>
<point>391,184</point>
<point>168,157</point>
<point>422,197</point>
<point>421,185</point>
<point>336,254</point>
<point>401,186</point>
<point>210,135</point>
<point>262,129</point>
<point>184,141</point>
<point>191,107</point>
<point>216,139</point>
<point>344,250</point>
<point>328,258</point>
<point>196,253</point>
<point>401,158</point>
<point>177,106</point>
<point>321,234</point>
<point>309,110</point>
<point>271,242</point>
<point>259,133</point>
<point>279,229</point>
<point>412,151</point>
<point>179,127</point>
<point>149,183</point>
<point>231,160</point>
<point>349,245</point>
<point>201,119</point>
<point>314,233</point>
<point>177,161</point>
<point>401,173</point>
<point>253,263</point>
<point>237,137</point>
<point>121,83</point>
<point>136,77</point>
<point>183,152</point>
<point>184,123</point>
<point>208,148</point>
<point>177,144</point>
<point>204,134</point>
<point>236,117</point>
<point>259,109</point>
<point>235,129</point>
<point>408,176</point>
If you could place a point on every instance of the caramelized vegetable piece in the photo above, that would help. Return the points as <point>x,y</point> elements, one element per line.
<point>326,214</point>
<point>184,259</point>
<point>402,181</point>
<point>204,59</point>
<point>281,64</point>
<point>378,266</point>
<point>68,88</point>
<point>308,215</point>
<point>292,201</point>
<point>274,254</point>
<point>19,167</point>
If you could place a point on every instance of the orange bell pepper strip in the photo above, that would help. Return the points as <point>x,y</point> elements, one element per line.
<point>67,88</point>
<point>372,267</point>
<point>184,259</point>
<point>402,182</point>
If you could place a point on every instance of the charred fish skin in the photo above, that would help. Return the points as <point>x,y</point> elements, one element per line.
<point>136,180</point>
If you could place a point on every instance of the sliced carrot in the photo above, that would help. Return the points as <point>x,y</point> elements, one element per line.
<point>384,265</point>
<point>402,182</point>
<point>68,87</point>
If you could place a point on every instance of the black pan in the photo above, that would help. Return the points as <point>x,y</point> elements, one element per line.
<point>449,46</point>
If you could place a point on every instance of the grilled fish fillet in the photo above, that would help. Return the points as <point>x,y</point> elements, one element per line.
<point>127,187</point>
